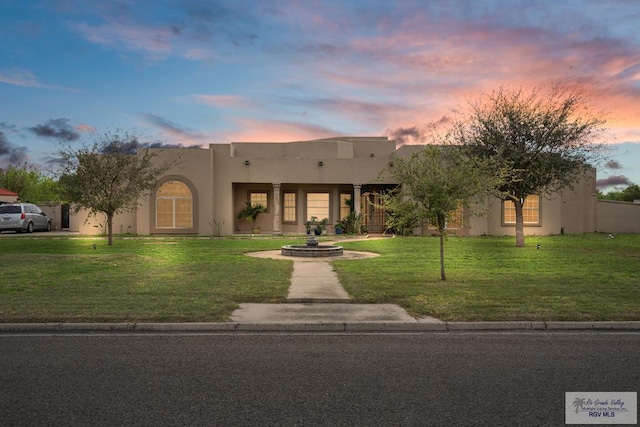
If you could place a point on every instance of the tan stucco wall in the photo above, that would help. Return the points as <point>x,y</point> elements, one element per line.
<point>222,175</point>
<point>618,217</point>
<point>84,223</point>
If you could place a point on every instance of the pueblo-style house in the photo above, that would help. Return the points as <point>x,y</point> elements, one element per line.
<point>324,178</point>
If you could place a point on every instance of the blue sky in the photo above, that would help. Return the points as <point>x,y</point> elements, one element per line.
<point>187,72</point>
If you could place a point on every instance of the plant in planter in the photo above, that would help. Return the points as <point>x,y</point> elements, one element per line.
<point>320,226</point>
<point>338,227</point>
<point>307,224</point>
<point>250,213</point>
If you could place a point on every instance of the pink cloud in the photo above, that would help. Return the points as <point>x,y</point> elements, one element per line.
<point>83,127</point>
<point>222,100</point>
<point>155,42</point>
<point>25,78</point>
<point>253,130</point>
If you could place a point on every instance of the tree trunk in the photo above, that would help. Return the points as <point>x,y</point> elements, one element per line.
<point>442,275</point>
<point>110,229</point>
<point>519,223</point>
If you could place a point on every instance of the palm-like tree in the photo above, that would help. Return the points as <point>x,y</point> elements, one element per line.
<point>579,403</point>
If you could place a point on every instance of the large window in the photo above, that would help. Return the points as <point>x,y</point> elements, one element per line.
<point>530,211</point>
<point>289,204</point>
<point>317,206</point>
<point>174,205</point>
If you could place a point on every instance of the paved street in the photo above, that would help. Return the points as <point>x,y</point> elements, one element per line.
<point>459,378</point>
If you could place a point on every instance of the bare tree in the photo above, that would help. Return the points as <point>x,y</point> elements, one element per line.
<point>110,176</point>
<point>546,137</point>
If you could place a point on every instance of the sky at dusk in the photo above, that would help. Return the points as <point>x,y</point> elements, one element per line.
<point>191,73</point>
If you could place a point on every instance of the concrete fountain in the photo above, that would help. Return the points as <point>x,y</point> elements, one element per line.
<point>312,249</point>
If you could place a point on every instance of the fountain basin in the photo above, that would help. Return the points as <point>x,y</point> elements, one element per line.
<point>312,251</point>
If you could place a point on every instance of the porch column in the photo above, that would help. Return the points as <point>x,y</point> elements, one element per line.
<point>277,217</point>
<point>356,198</point>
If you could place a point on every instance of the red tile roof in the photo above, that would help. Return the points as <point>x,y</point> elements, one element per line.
<point>5,192</point>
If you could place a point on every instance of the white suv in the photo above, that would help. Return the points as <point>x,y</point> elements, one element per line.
<point>23,217</point>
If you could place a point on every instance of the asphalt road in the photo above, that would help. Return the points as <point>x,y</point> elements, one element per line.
<point>263,379</point>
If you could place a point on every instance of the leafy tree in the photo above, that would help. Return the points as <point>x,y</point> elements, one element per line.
<point>433,183</point>
<point>629,194</point>
<point>544,136</point>
<point>30,183</point>
<point>110,175</point>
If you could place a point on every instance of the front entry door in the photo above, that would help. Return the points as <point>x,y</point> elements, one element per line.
<point>372,213</point>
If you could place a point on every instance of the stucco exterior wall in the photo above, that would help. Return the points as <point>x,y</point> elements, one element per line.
<point>618,217</point>
<point>84,223</point>
<point>221,176</point>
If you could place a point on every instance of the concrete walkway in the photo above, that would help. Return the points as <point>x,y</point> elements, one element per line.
<point>315,282</point>
<point>317,297</point>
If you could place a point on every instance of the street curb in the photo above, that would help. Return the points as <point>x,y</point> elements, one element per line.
<point>319,327</point>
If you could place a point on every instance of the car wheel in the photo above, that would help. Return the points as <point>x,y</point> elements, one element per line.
<point>48,226</point>
<point>30,227</point>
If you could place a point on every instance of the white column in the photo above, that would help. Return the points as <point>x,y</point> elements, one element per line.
<point>277,216</point>
<point>356,198</point>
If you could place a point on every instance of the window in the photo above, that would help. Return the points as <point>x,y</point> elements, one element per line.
<point>174,205</point>
<point>530,210</point>
<point>289,211</point>
<point>317,206</point>
<point>259,198</point>
<point>345,209</point>
<point>456,220</point>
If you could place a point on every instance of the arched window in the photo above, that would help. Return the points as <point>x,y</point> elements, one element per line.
<point>174,205</point>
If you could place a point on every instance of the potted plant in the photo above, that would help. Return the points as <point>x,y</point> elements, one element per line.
<point>338,227</point>
<point>307,224</point>
<point>250,213</point>
<point>320,226</point>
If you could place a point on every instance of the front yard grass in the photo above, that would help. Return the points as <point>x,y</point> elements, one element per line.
<point>570,277</point>
<point>52,279</point>
<point>135,280</point>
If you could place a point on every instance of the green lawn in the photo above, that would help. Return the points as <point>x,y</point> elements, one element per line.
<point>158,280</point>
<point>586,277</point>
<point>54,279</point>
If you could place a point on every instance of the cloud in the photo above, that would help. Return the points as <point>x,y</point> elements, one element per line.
<point>253,130</point>
<point>133,145</point>
<point>226,101</point>
<point>85,128</point>
<point>9,153</point>
<point>613,164</point>
<point>183,136</point>
<point>155,42</point>
<point>57,129</point>
<point>407,135</point>
<point>18,155</point>
<point>25,78</point>
<point>5,146</point>
<point>613,181</point>
<point>19,78</point>
<point>417,134</point>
